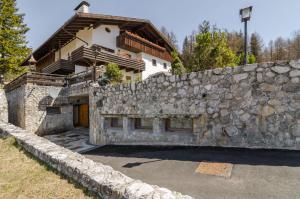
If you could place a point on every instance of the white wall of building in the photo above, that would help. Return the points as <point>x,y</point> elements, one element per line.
<point>104,38</point>
<point>66,50</point>
<point>85,35</point>
<point>150,69</point>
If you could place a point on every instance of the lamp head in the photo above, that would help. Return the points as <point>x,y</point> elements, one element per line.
<point>245,13</point>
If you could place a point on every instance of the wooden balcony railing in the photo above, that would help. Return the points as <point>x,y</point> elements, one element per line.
<point>134,43</point>
<point>87,55</point>
<point>38,79</point>
<point>62,65</point>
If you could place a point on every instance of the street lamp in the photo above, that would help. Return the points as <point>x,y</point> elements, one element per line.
<point>245,14</point>
<point>32,64</point>
<point>97,51</point>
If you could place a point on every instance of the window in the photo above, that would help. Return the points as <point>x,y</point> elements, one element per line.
<point>128,78</point>
<point>179,125</point>
<point>154,62</point>
<point>116,122</point>
<point>53,110</point>
<point>143,123</point>
<point>107,30</point>
<point>165,66</point>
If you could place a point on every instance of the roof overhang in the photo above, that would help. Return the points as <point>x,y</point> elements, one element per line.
<point>66,33</point>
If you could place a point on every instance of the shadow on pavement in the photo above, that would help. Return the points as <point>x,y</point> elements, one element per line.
<point>198,154</point>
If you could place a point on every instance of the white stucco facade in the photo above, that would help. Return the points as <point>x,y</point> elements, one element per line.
<point>150,69</point>
<point>106,36</point>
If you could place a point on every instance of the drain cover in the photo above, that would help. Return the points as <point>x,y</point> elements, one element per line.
<point>215,168</point>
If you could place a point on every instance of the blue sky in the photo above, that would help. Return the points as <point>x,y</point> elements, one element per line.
<point>271,18</point>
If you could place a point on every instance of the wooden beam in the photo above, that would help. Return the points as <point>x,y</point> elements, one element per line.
<point>96,25</point>
<point>77,37</point>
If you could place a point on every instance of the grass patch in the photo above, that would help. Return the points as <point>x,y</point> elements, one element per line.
<point>22,176</point>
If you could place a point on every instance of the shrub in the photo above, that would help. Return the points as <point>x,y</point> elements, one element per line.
<point>113,73</point>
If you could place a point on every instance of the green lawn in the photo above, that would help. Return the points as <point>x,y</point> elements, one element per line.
<point>21,176</point>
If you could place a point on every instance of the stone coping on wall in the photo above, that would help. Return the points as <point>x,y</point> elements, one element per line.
<point>98,178</point>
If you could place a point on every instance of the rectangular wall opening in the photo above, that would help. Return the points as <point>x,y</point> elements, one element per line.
<point>116,122</point>
<point>53,110</point>
<point>143,123</point>
<point>184,125</point>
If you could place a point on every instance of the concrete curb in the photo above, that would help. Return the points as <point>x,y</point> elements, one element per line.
<point>98,178</point>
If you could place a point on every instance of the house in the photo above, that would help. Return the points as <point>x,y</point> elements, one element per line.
<point>55,95</point>
<point>138,48</point>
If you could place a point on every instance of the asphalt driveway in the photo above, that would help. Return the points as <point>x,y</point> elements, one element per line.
<point>255,173</point>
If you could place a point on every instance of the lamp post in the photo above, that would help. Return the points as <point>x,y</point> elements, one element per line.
<point>96,53</point>
<point>245,14</point>
<point>32,64</point>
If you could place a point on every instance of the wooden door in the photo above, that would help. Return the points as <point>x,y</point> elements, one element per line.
<point>84,115</point>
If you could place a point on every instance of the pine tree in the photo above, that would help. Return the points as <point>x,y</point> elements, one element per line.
<point>177,65</point>
<point>256,46</point>
<point>235,42</point>
<point>13,47</point>
<point>296,45</point>
<point>171,36</point>
<point>280,49</point>
<point>212,51</point>
<point>204,27</point>
<point>271,48</point>
<point>187,53</point>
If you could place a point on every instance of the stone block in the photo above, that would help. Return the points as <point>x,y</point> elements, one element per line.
<point>295,73</point>
<point>237,78</point>
<point>267,111</point>
<point>295,64</point>
<point>249,67</point>
<point>281,69</point>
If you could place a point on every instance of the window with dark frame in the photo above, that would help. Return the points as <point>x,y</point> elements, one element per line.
<point>154,63</point>
<point>179,125</point>
<point>116,122</point>
<point>140,123</point>
<point>165,66</point>
<point>53,110</point>
<point>128,78</point>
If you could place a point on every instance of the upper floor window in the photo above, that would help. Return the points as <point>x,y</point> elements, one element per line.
<point>154,63</point>
<point>128,78</point>
<point>165,65</point>
<point>108,30</point>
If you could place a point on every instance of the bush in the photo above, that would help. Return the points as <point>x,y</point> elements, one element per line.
<point>113,73</point>
<point>177,65</point>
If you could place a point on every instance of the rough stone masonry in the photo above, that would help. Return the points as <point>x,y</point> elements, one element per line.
<point>28,104</point>
<point>3,106</point>
<point>253,106</point>
<point>105,182</point>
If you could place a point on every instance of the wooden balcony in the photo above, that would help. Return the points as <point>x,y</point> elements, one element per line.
<point>61,66</point>
<point>38,79</point>
<point>86,56</point>
<point>137,44</point>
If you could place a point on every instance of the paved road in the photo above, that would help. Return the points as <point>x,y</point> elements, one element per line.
<point>256,173</point>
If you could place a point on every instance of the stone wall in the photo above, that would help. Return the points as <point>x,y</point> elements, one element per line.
<point>253,106</point>
<point>16,106</point>
<point>105,182</point>
<point>3,106</point>
<point>28,109</point>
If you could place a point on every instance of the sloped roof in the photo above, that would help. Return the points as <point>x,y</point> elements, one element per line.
<point>79,21</point>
